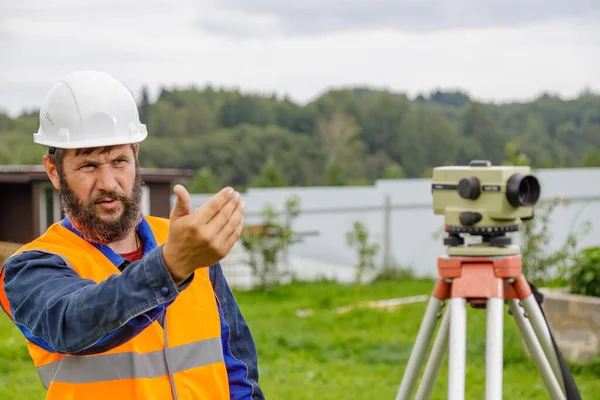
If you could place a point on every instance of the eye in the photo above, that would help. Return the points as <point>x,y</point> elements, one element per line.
<point>87,167</point>
<point>119,162</point>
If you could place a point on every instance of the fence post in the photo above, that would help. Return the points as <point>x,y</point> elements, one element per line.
<point>286,253</point>
<point>387,216</point>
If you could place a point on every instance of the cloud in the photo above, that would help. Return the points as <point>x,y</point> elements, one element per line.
<point>317,17</point>
<point>159,43</point>
<point>56,10</point>
<point>239,24</point>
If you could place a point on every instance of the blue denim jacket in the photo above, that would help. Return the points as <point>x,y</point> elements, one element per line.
<point>61,312</point>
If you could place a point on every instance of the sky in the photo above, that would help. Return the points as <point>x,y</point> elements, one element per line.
<point>495,50</point>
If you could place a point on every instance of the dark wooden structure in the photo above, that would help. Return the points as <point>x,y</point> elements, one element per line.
<point>29,203</point>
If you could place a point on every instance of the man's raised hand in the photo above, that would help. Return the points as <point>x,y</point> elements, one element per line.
<point>205,236</point>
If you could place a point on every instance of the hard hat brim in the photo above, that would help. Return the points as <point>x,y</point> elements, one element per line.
<point>39,138</point>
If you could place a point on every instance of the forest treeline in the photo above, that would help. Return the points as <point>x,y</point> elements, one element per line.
<point>345,136</point>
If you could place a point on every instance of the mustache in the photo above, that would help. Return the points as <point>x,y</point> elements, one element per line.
<point>104,195</point>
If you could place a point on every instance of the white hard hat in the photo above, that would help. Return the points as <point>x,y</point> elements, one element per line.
<point>89,109</point>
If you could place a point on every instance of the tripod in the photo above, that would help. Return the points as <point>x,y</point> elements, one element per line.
<point>486,275</point>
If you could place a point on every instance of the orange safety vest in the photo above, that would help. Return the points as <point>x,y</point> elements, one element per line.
<point>182,361</point>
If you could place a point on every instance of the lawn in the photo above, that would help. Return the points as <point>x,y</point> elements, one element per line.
<point>360,354</point>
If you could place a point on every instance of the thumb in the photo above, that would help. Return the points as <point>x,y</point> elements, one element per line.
<point>182,202</point>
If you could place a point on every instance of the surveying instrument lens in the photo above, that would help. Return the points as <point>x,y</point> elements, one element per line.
<point>523,190</point>
<point>489,202</point>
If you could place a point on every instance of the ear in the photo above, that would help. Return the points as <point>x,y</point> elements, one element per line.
<point>52,172</point>
<point>136,151</point>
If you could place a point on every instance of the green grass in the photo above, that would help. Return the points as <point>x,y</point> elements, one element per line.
<point>357,355</point>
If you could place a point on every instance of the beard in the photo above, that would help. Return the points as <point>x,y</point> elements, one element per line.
<point>86,219</point>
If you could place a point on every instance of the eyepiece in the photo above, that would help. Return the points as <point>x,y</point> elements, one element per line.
<point>522,190</point>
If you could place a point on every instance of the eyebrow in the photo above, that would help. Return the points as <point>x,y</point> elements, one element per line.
<point>90,159</point>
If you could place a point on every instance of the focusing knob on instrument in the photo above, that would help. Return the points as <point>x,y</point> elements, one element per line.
<point>469,218</point>
<point>469,188</point>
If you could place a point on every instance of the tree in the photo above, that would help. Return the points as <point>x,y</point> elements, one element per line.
<point>591,158</point>
<point>456,98</point>
<point>537,143</point>
<point>422,130</point>
<point>478,123</point>
<point>334,175</point>
<point>199,116</point>
<point>394,171</point>
<point>6,123</point>
<point>165,119</point>
<point>204,182</point>
<point>513,155</point>
<point>144,106</point>
<point>381,117</point>
<point>337,132</point>
<point>271,175</point>
<point>345,136</point>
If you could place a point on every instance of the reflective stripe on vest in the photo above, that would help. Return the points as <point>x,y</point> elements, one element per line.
<point>110,367</point>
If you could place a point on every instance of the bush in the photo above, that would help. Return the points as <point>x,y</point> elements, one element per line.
<point>358,238</point>
<point>539,264</point>
<point>585,275</point>
<point>265,242</point>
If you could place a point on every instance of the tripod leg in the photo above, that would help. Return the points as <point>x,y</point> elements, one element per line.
<point>537,353</point>
<point>417,355</point>
<point>532,308</point>
<point>494,349</point>
<point>458,349</point>
<point>436,357</point>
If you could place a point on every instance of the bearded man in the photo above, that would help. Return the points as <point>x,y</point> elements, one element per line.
<point>112,302</point>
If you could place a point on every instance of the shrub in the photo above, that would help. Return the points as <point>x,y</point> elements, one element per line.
<point>585,275</point>
<point>358,238</point>
<point>264,243</point>
<point>539,264</point>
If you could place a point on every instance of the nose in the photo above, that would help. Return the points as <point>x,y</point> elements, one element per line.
<point>105,178</point>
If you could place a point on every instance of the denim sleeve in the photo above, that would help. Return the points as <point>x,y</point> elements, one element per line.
<point>61,312</point>
<point>241,359</point>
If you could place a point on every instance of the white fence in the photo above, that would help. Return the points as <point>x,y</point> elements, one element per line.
<point>399,216</point>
